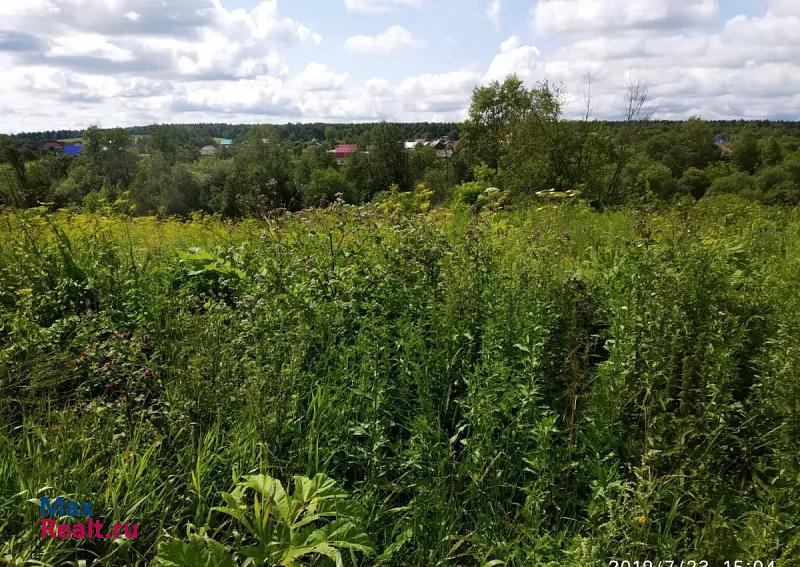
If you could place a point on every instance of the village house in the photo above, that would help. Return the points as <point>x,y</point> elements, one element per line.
<point>208,151</point>
<point>52,147</point>
<point>343,152</point>
<point>444,147</point>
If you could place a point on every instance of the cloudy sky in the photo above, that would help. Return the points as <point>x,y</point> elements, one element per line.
<point>72,63</point>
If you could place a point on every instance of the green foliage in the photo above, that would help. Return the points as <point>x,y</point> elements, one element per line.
<point>694,182</point>
<point>746,154</point>
<point>316,520</point>
<point>495,110</point>
<point>325,185</point>
<point>468,193</point>
<point>549,385</point>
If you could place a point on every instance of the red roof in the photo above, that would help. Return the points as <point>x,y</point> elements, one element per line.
<point>344,150</point>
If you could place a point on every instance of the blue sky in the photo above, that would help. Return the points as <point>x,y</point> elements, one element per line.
<point>72,63</point>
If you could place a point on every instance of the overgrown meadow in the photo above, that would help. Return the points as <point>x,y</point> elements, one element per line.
<point>547,386</point>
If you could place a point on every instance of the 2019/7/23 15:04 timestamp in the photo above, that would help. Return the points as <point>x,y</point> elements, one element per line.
<point>693,563</point>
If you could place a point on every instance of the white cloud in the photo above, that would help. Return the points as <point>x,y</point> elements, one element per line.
<point>396,39</point>
<point>591,16</point>
<point>318,77</point>
<point>515,58</point>
<point>494,9</point>
<point>84,44</point>
<point>440,93</point>
<point>382,5</point>
<point>785,7</point>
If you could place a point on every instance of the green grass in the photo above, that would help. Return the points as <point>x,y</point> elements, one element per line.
<point>550,386</point>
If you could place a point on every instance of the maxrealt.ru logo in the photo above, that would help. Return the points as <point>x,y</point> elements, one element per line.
<point>91,529</point>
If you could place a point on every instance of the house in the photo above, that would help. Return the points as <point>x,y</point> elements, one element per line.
<point>73,149</point>
<point>444,147</point>
<point>724,147</point>
<point>208,151</point>
<point>223,141</point>
<point>343,152</point>
<point>51,147</point>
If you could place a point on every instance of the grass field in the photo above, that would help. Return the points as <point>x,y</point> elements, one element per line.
<point>548,386</point>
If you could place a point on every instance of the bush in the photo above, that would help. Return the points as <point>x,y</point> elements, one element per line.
<point>324,186</point>
<point>737,183</point>
<point>694,182</point>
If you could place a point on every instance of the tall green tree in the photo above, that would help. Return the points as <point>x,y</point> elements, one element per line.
<point>108,156</point>
<point>495,111</point>
<point>388,160</point>
<point>698,140</point>
<point>746,154</point>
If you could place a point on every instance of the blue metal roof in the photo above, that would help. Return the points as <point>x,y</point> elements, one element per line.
<point>73,149</point>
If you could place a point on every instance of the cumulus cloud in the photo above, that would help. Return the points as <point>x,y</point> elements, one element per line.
<point>318,77</point>
<point>591,16</point>
<point>785,8</point>
<point>438,92</point>
<point>382,5</point>
<point>69,63</point>
<point>521,60</point>
<point>396,39</point>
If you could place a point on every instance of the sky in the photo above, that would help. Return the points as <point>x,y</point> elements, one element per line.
<point>69,64</point>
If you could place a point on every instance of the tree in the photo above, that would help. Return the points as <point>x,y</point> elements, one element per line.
<point>698,141</point>
<point>771,151</point>
<point>388,161</point>
<point>421,159</point>
<point>264,177</point>
<point>495,110</point>
<point>694,182</point>
<point>746,154</point>
<point>14,181</point>
<point>106,152</point>
<point>735,183</point>
<point>636,115</point>
<point>324,186</point>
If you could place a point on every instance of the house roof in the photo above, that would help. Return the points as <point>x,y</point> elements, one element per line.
<point>342,151</point>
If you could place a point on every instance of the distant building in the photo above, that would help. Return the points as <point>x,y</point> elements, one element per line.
<point>52,147</point>
<point>73,149</point>
<point>343,152</point>
<point>208,151</point>
<point>223,141</point>
<point>445,148</point>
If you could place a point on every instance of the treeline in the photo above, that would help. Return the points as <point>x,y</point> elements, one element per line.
<point>200,134</point>
<point>163,172</point>
<point>515,143</point>
<point>521,135</point>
